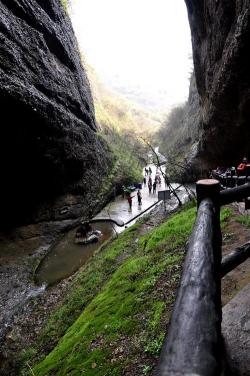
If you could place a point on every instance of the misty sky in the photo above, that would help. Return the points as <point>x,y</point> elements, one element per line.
<point>141,47</point>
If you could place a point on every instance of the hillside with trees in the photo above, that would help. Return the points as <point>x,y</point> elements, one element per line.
<point>122,125</point>
<point>178,135</point>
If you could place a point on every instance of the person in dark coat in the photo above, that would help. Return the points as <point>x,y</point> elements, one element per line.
<point>139,197</point>
<point>150,186</point>
<point>154,187</point>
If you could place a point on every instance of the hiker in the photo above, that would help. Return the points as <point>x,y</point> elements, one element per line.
<point>166,180</point>
<point>139,197</point>
<point>154,187</point>
<point>145,180</point>
<point>150,180</point>
<point>129,198</point>
<point>159,180</point>
<point>146,171</point>
<point>149,186</point>
<point>149,171</point>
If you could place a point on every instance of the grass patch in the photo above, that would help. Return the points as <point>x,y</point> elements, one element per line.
<point>118,308</point>
<point>225,214</point>
<point>244,220</point>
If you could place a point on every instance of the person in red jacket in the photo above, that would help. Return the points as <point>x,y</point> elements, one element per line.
<point>243,165</point>
<point>129,198</point>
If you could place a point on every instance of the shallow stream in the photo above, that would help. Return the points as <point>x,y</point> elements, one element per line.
<point>65,257</point>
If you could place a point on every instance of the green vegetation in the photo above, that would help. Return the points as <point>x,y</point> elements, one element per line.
<point>121,126</point>
<point>224,215</point>
<point>178,134</point>
<point>244,219</point>
<point>117,309</point>
<point>65,5</point>
<point>130,155</point>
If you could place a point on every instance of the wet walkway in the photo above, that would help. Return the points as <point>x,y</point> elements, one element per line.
<point>119,208</point>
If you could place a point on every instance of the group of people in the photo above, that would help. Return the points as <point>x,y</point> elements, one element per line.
<point>152,184</point>
<point>148,171</point>
<point>148,181</point>
<point>240,170</point>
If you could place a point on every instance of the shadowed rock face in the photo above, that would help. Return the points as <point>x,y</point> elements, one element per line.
<point>48,144</point>
<point>221,44</point>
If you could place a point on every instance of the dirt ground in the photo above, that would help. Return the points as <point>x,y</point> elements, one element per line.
<point>233,236</point>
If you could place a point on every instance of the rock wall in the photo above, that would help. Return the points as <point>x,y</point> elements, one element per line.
<point>48,141</point>
<point>221,44</point>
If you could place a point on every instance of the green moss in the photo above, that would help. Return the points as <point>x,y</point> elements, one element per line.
<point>110,314</point>
<point>174,232</point>
<point>84,288</point>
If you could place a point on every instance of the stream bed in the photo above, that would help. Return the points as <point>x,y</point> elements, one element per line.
<point>65,257</point>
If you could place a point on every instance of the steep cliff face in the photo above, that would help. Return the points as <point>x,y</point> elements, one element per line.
<point>48,144</point>
<point>221,43</point>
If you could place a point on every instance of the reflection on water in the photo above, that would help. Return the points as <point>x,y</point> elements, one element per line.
<point>67,256</point>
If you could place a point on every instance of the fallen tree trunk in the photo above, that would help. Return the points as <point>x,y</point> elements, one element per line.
<point>235,258</point>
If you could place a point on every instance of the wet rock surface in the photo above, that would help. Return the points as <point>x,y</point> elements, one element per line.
<point>236,332</point>
<point>48,142</point>
<point>221,41</point>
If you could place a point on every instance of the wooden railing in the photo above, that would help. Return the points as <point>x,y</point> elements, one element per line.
<point>193,345</point>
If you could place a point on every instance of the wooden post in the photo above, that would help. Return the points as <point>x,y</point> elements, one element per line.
<point>208,188</point>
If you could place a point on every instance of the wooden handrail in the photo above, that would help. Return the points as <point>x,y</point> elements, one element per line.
<point>193,345</point>
<point>234,194</point>
<point>235,258</point>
